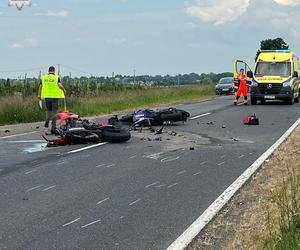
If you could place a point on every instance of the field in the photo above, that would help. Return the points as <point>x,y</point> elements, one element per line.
<point>18,108</point>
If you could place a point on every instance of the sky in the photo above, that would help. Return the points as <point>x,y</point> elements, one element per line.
<point>98,37</point>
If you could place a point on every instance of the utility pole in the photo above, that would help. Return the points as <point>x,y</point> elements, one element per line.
<point>134,72</point>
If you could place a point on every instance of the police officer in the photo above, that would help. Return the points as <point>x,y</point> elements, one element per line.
<point>51,90</point>
<point>243,89</point>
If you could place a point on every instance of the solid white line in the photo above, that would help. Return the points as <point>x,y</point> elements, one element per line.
<point>190,233</point>
<point>132,203</point>
<point>86,148</point>
<point>11,136</point>
<point>71,222</point>
<point>198,116</point>
<point>173,185</point>
<point>98,203</point>
<point>152,184</point>
<point>46,189</point>
<point>31,189</point>
<point>90,223</point>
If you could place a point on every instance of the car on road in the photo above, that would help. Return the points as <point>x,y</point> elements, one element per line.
<point>225,86</point>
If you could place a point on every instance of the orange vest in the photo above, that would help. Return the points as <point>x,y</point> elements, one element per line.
<point>243,78</point>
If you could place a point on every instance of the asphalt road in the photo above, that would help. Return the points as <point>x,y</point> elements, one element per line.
<point>137,195</point>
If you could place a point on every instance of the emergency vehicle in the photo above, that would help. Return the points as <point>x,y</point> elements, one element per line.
<point>276,76</point>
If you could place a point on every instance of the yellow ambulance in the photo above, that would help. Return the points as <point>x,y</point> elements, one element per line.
<point>276,76</point>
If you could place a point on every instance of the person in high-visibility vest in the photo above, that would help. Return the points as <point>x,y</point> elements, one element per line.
<point>243,89</point>
<point>51,90</point>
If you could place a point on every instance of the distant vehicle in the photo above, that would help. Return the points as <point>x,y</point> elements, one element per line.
<point>225,86</point>
<point>276,76</point>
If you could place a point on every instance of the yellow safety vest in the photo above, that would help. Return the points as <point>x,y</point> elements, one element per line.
<point>50,88</point>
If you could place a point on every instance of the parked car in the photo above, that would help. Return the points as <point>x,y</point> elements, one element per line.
<point>225,86</point>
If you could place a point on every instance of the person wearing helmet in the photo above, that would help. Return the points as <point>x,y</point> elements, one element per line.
<point>51,90</point>
<point>243,89</point>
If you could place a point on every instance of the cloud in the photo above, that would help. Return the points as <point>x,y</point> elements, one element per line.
<point>287,2</point>
<point>218,11</point>
<point>27,43</point>
<point>53,14</point>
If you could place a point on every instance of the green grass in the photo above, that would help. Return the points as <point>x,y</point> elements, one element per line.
<point>18,109</point>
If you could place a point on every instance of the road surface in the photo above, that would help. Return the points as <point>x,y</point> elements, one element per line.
<point>137,195</point>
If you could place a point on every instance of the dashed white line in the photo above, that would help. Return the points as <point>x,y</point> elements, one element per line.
<point>181,172</point>
<point>197,173</point>
<point>99,166</point>
<point>152,184</point>
<point>221,163</point>
<point>46,189</point>
<point>198,116</point>
<point>132,157</point>
<point>223,156</point>
<point>71,222</point>
<point>86,148</point>
<point>241,156</point>
<point>202,163</point>
<point>29,172</point>
<point>111,165</point>
<point>132,203</point>
<point>31,189</point>
<point>173,185</point>
<point>98,203</point>
<point>92,223</point>
<point>160,186</point>
<point>168,159</point>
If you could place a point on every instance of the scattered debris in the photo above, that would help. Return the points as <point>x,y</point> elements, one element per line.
<point>159,132</point>
<point>173,133</point>
<point>152,130</point>
<point>223,126</point>
<point>251,120</point>
<point>235,139</point>
<point>192,148</point>
<point>210,123</point>
<point>37,127</point>
<point>6,131</point>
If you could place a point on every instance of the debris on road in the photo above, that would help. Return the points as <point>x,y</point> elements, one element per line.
<point>223,126</point>
<point>251,120</point>
<point>6,131</point>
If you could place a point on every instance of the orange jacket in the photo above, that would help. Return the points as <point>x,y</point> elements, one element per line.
<point>243,78</point>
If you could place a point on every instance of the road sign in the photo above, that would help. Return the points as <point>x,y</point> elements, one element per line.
<point>19,3</point>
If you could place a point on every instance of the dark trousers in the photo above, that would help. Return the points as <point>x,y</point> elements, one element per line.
<point>51,111</point>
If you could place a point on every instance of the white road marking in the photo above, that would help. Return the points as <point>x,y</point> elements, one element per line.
<point>181,172</point>
<point>240,104</point>
<point>99,166</point>
<point>223,156</point>
<point>109,166</point>
<point>197,173</point>
<point>202,163</point>
<point>71,222</point>
<point>31,189</point>
<point>198,116</point>
<point>241,156</point>
<point>221,163</point>
<point>159,186</point>
<point>29,172</point>
<point>155,156</point>
<point>193,230</point>
<point>11,136</point>
<point>173,185</point>
<point>86,148</point>
<point>92,223</point>
<point>106,199</point>
<point>132,203</point>
<point>152,184</point>
<point>46,189</point>
<point>168,159</point>
<point>122,217</point>
<point>132,157</point>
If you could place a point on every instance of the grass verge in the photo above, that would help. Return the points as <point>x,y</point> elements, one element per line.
<point>18,109</point>
<point>265,214</point>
